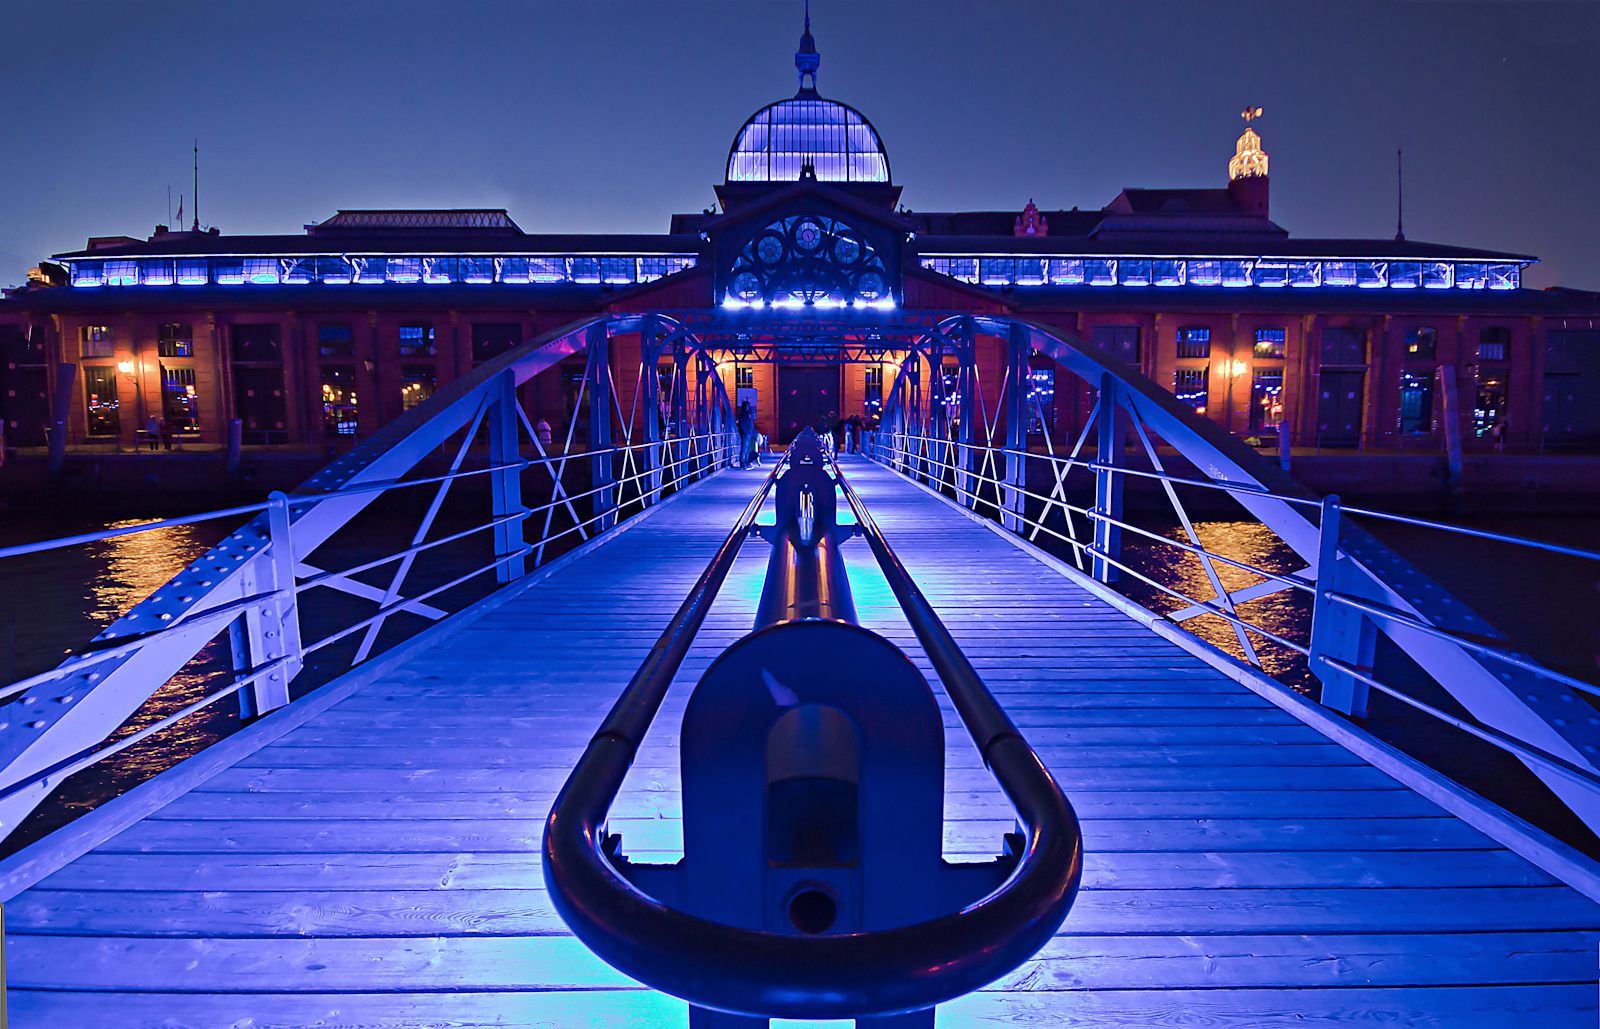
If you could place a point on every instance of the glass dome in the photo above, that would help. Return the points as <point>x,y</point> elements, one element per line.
<point>840,144</point>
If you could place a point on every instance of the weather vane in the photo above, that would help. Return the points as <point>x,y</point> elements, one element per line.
<point>1250,112</point>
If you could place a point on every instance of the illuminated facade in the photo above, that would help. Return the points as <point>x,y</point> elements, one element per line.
<point>304,339</point>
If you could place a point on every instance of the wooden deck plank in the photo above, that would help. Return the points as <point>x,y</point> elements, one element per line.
<point>1487,1007</point>
<point>1103,870</point>
<point>1077,962</point>
<point>379,865</point>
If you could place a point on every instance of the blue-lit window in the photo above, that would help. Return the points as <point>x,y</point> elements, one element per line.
<point>871,390</point>
<point>1190,386</point>
<point>1421,343</point>
<point>193,272</point>
<point>122,273</point>
<point>514,269</point>
<point>1416,404</point>
<point>1166,273</point>
<point>547,269</point>
<point>335,341</point>
<point>1266,401</point>
<point>617,270</point>
<point>1494,343</point>
<point>585,269</point>
<point>371,269</point>
<point>1030,271</point>
<point>438,270</point>
<point>1100,272</point>
<point>834,139</point>
<point>1041,400</point>
<point>1472,276</point>
<point>416,384</point>
<point>404,269</point>
<point>94,341</point>
<point>1194,341</point>
<point>180,401</point>
<point>1339,273</point>
<point>1133,272</point>
<point>1066,271</point>
<point>1236,273</point>
<point>416,341</point>
<point>1305,273</point>
<point>230,271</point>
<point>1272,273</point>
<point>652,268</point>
<point>298,271</point>
<point>811,260</point>
<point>339,415</point>
<point>175,339</point>
<point>263,271</point>
<point>1405,275</point>
<point>335,271</point>
<point>1372,274</point>
<point>1505,276</point>
<point>1438,275</point>
<point>999,271</point>
<point>158,272</point>
<point>477,269</point>
<point>87,273</point>
<point>1205,273</point>
<point>1270,343</point>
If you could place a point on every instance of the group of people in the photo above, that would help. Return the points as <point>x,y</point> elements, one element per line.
<point>843,433</point>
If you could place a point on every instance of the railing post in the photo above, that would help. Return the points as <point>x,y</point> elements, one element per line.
<point>1338,630</point>
<point>680,412</point>
<point>1108,482</point>
<point>966,478</point>
<point>647,459</point>
<point>702,419</point>
<point>603,499</point>
<point>265,634</point>
<point>505,484</point>
<point>1014,503</point>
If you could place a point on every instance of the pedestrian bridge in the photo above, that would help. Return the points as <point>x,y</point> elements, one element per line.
<point>369,853</point>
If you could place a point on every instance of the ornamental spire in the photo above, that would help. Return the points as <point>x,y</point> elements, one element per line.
<point>806,58</point>
<point>1248,159</point>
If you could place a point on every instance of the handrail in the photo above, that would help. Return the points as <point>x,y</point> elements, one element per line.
<point>940,461</point>
<point>751,972</point>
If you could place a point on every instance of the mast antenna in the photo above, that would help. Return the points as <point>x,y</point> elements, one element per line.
<point>1399,196</point>
<point>196,198</point>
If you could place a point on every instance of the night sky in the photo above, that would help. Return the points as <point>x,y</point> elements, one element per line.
<point>609,116</point>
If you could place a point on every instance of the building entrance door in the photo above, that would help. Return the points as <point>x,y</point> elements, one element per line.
<point>1339,407</point>
<point>806,395</point>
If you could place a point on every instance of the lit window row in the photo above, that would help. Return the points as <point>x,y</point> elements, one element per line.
<point>1265,272</point>
<point>344,270</point>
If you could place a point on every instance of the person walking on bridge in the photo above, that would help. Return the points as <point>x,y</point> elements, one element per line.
<point>745,421</point>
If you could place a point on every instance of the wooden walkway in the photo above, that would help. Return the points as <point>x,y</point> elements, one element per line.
<point>379,866</point>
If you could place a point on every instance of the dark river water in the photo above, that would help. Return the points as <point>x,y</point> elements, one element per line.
<point>1549,606</point>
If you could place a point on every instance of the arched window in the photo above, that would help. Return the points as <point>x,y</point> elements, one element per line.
<point>809,260</point>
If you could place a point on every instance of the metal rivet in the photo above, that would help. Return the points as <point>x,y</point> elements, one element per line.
<point>165,616</point>
<point>1561,721</point>
<point>64,699</point>
<point>36,725</point>
<point>1567,696</point>
<point>1533,698</point>
<point>184,600</point>
<point>30,700</point>
<point>205,582</point>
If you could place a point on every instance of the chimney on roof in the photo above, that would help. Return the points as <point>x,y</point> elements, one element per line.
<point>1247,171</point>
<point>1030,222</point>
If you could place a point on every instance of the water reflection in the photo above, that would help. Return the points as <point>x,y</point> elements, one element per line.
<point>1286,613</point>
<point>62,598</point>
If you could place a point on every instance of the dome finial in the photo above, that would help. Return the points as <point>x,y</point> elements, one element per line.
<point>806,58</point>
